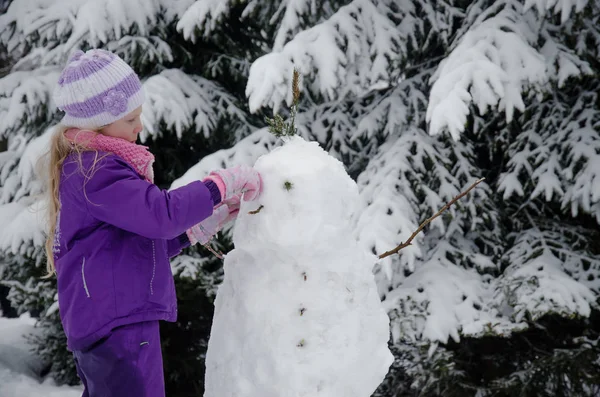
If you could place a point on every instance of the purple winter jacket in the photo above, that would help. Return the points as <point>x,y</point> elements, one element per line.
<point>115,235</point>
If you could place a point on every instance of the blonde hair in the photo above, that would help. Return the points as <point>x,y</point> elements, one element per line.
<point>51,170</point>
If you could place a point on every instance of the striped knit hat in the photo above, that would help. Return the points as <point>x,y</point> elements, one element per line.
<point>97,88</point>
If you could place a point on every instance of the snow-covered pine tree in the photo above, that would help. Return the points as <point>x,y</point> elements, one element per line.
<point>420,98</point>
<point>6,309</point>
<point>195,106</point>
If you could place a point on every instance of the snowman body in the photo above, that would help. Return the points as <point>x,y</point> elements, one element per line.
<point>298,312</point>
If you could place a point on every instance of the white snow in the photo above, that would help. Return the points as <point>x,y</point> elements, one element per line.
<point>371,42</point>
<point>490,66</point>
<point>184,102</point>
<point>298,312</point>
<point>244,152</point>
<point>537,156</point>
<point>33,161</point>
<point>23,222</point>
<point>19,385</point>
<point>24,94</point>
<point>561,62</point>
<point>388,216</point>
<point>441,301</point>
<point>437,290</point>
<point>291,21</point>
<point>20,368</point>
<point>536,282</point>
<point>202,16</point>
<point>562,6</point>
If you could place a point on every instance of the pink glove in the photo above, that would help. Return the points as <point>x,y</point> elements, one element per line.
<point>234,207</point>
<point>204,231</point>
<point>241,180</point>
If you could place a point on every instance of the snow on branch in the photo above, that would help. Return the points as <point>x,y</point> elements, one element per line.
<point>557,154</point>
<point>534,157</point>
<point>31,163</point>
<point>411,175</point>
<point>349,52</point>
<point>203,16</point>
<point>194,268</point>
<point>292,11</point>
<point>23,226</point>
<point>9,160</point>
<point>247,151</point>
<point>82,22</point>
<point>571,245</point>
<point>141,49</point>
<point>394,108</point>
<point>490,66</point>
<point>22,208</point>
<point>536,282</point>
<point>26,96</point>
<point>184,101</point>
<point>395,191</point>
<point>564,7</point>
<point>562,62</point>
<point>19,167</point>
<point>390,205</point>
<point>428,221</point>
<point>442,301</point>
<point>583,155</point>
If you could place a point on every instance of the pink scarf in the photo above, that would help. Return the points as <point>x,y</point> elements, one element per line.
<point>136,155</point>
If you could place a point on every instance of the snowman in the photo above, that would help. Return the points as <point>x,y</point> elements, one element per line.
<point>298,313</point>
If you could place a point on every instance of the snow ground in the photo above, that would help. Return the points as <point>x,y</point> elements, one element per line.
<point>19,367</point>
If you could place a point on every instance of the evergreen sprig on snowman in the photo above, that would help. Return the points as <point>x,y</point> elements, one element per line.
<point>298,313</point>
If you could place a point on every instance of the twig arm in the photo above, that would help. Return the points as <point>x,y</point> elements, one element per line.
<point>428,221</point>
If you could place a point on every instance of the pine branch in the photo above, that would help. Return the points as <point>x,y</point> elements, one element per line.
<point>277,126</point>
<point>422,225</point>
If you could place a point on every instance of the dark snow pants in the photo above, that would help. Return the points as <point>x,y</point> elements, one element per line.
<point>127,363</point>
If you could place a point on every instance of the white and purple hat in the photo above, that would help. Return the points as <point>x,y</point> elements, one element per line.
<point>97,88</point>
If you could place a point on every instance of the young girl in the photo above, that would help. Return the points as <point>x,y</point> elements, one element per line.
<point>112,231</point>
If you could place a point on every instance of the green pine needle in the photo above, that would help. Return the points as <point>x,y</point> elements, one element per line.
<point>279,127</point>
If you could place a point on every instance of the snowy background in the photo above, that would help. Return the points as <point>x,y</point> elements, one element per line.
<point>20,370</point>
<point>418,99</point>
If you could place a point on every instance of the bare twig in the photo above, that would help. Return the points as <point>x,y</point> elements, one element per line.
<point>422,225</point>
<point>256,211</point>
<point>218,254</point>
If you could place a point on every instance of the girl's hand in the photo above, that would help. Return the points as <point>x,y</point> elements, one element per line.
<point>234,208</point>
<point>241,180</point>
<point>223,213</point>
<point>204,231</point>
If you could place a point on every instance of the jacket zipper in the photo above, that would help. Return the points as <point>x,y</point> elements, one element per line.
<point>153,268</point>
<point>85,287</point>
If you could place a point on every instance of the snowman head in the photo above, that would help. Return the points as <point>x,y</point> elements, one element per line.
<point>307,195</point>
